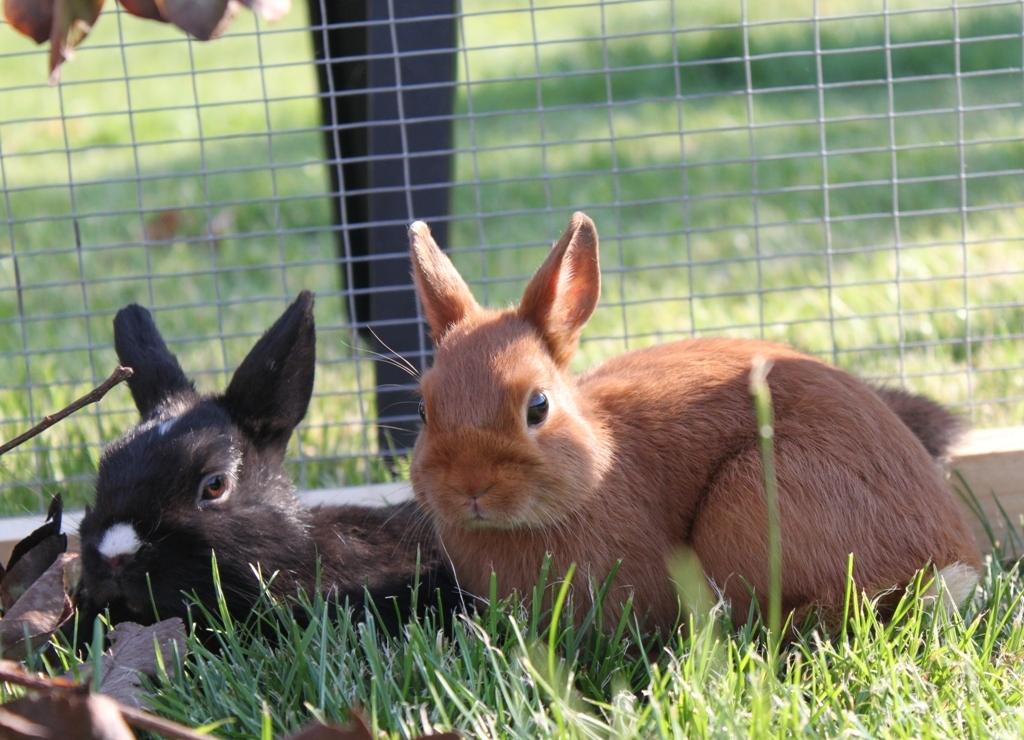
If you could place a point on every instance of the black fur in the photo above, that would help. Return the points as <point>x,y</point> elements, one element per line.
<point>270,390</point>
<point>935,426</point>
<point>151,477</point>
<point>139,346</point>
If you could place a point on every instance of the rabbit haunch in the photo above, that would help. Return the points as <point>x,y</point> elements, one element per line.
<point>656,450</point>
<point>204,474</point>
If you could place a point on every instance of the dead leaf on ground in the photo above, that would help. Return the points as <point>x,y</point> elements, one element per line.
<point>33,555</point>
<point>162,226</point>
<point>103,718</point>
<point>33,18</point>
<point>51,526</point>
<point>41,610</point>
<point>320,731</point>
<point>143,9</point>
<point>65,715</point>
<point>14,726</point>
<point>357,729</point>
<point>204,19</point>
<point>133,654</point>
<point>72,22</point>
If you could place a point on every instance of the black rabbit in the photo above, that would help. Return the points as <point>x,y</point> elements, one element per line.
<point>204,474</point>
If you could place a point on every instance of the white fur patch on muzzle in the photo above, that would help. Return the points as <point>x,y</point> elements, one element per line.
<point>120,540</point>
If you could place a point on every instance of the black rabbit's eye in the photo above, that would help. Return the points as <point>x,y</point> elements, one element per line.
<point>537,409</point>
<point>423,411</point>
<point>214,487</point>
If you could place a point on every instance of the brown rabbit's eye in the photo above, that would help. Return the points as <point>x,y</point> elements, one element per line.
<point>423,411</point>
<point>214,487</point>
<point>537,409</point>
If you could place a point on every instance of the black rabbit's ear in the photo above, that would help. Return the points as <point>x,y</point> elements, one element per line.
<point>157,376</point>
<point>270,390</point>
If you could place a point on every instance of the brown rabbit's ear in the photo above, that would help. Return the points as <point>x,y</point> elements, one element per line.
<point>563,293</point>
<point>444,294</point>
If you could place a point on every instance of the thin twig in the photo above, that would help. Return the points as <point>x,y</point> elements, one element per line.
<point>12,673</point>
<point>118,376</point>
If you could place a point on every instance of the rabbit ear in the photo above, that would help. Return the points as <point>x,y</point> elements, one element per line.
<point>270,391</point>
<point>563,293</point>
<point>157,374</point>
<point>443,293</point>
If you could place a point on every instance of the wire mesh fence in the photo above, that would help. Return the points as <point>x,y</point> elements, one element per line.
<point>844,176</point>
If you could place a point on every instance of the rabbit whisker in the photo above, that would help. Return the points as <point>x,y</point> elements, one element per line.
<point>394,359</point>
<point>377,356</point>
<point>421,529</point>
<point>455,576</point>
<point>392,428</point>
<point>413,371</point>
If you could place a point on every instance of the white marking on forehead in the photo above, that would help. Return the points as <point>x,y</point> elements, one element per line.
<point>165,426</point>
<point>120,539</point>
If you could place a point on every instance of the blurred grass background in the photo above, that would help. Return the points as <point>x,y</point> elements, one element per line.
<point>204,196</point>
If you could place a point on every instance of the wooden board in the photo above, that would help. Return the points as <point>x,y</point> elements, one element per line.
<point>14,528</point>
<point>988,467</point>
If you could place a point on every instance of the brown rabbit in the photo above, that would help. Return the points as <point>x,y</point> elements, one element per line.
<point>656,450</point>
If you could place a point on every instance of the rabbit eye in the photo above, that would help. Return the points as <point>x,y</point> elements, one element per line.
<point>423,411</point>
<point>214,488</point>
<point>537,409</point>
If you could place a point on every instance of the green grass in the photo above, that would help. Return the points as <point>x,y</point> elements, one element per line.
<point>720,263</point>
<point>518,671</point>
<point>540,666</point>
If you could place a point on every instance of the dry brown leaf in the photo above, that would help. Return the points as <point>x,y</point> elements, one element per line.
<point>67,716</point>
<point>204,19</point>
<point>34,18</point>
<point>41,610</point>
<point>269,10</point>
<point>133,655</point>
<point>72,22</point>
<point>50,527</point>
<point>162,226</point>
<point>103,724</point>
<point>14,726</point>
<point>143,9</point>
<point>357,729</point>
<point>33,555</point>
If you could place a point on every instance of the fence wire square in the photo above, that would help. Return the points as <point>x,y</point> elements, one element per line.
<point>845,176</point>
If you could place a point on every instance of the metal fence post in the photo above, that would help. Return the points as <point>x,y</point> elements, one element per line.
<point>390,66</point>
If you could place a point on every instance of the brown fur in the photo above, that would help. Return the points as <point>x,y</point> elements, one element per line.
<point>656,450</point>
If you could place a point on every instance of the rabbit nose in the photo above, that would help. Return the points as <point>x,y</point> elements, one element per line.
<point>116,562</point>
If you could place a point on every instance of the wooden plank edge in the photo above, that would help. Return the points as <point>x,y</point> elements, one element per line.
<point>991,461</point>
<point>15,528</point>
